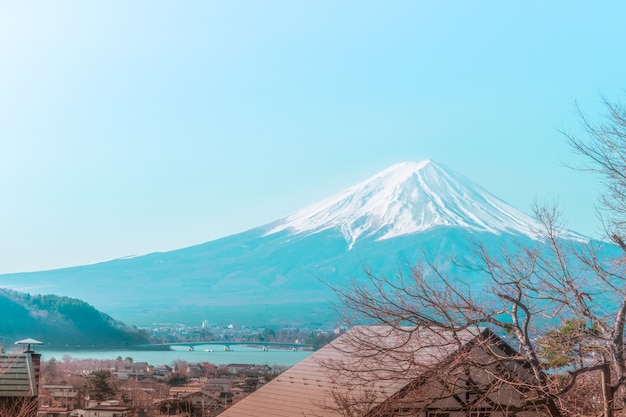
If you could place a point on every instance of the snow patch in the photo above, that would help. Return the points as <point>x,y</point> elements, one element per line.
<point>407,198</point>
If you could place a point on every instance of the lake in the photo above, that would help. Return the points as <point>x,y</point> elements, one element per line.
<point>237,354</point>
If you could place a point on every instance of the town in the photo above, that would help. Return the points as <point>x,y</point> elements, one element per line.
<point>170,333</point>
<point>123,387</point>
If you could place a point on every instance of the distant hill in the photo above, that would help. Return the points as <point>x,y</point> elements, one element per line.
<point>281,272</point>
<point>61,321</point>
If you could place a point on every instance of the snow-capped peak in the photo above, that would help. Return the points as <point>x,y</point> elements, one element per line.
<point>407,198</point>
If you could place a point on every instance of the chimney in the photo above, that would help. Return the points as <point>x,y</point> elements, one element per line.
<point>36,358</point>
<point>28,346</point>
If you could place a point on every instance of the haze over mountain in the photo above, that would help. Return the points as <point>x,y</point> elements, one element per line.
<point>274,273</point>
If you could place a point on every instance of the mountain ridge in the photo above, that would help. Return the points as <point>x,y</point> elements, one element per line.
<point>295,260</point>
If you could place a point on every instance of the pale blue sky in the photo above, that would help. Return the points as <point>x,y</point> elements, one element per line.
<point>128,127</point>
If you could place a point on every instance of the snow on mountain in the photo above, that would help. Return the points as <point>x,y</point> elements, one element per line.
<point>407,198</point>
<point>262,277</point>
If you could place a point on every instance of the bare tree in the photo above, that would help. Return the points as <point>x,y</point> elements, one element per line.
<point>560,302</point>
<point>19,407</point>
<point>604,149</point>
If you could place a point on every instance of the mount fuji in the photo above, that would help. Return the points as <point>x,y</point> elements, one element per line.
<point>408,198</point>
<point>280,273</point>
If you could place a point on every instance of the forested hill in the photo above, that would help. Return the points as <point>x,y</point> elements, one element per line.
<point>61,321</point>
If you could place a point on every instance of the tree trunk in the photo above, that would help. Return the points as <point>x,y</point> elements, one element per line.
<point>553,409</point>
<point>607,393</point>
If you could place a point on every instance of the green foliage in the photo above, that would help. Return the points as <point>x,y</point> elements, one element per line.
<point>567,344</point>
<point>98,385</point>
<point>319,339</point>
<point>267,335</point>
<point>62,321</point>
<point>177,380</point>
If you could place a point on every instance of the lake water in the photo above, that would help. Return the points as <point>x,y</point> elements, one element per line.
<point>237,354</point>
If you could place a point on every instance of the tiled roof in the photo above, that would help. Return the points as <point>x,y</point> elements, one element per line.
<point>64,394</point>
<point>307,388</point>
<point>17,375</point>
<point>53,409</point>
<point>108,408</point>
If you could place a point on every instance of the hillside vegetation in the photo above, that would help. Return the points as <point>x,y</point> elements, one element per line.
<point>61,321</point>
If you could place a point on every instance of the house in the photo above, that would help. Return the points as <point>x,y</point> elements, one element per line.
<point>237,368</point>
<point>219,384</point>
<point>190,404</point>
<point>61,396</point>
<point>208,369</point>
<point>393,371</point>
<point>161,373</point>
<point>201,370</point>
<point>48,411</point>
<point>200,404</point>
<point>238,393</point>
<point>178,392</point>
<point>106,410</point>
<point>19,379</point>
<point>134,370</point>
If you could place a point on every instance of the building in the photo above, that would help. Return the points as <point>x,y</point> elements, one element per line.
<point>219,384</point>
<point>104,409</point>
<point>61,396</point>
<point>238,368</point>
<point>385,371</point>
<point>19,380</point>
<point>133,370</point>
<point>162,372</point>
<point>201,404</point>
<point>47,411</point>
<point>202,370</point>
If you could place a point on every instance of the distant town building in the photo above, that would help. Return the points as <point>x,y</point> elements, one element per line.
<point>105,410</point>
<point>61,396</point>
<point>237,368</point>
<point>133,370</point>
<point>48,411</point>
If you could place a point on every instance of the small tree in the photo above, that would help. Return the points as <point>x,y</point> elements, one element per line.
<point>98,385</point>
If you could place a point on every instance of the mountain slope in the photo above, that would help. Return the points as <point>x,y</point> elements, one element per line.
<point>281,272</point>
<point>61,321</point>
